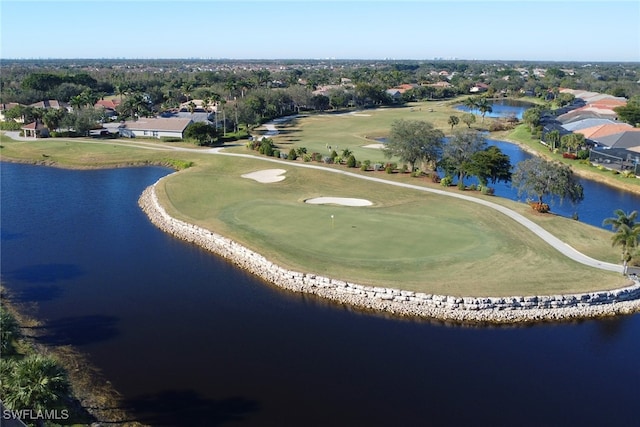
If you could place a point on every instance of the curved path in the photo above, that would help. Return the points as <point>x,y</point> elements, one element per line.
<point>552,240</point>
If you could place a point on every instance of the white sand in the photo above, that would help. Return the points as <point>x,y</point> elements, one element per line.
<point>344,201</point>
<point>266,176</point>
<point>378,146</point>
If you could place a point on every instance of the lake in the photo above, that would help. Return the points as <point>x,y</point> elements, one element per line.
<point>189,340</point>
<point>502,108</point>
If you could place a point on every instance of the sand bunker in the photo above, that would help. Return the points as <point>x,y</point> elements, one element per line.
<point>266,176</point>
<point>344,201</point>
<point>378,146</point>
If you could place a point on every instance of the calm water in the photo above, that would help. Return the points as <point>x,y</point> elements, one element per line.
<point>599,200</point>
<point>502,108</point>
<point>190,341</point>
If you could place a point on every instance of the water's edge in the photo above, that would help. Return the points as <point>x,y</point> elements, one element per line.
<point>505,310</point>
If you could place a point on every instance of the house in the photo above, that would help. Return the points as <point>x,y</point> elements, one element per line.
<point>479,88</point>
<point>627,139</point>
<point>595,133</point>
<point>109,106</point>
<point>395,94</point>
<point>50,103</point>
<point>154,127</point>
<point>35,130</point>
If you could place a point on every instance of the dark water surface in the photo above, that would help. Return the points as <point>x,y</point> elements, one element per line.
<point>191,341</point>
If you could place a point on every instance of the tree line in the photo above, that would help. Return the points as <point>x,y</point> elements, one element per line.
<point>467,154</point>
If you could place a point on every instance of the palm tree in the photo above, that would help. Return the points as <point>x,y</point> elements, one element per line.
<point>9,332</point>
<point>484,106</point>
<point>453,121</point>
<point>627,233</point>
<point>35,382</point>
<point>621,218</point>
<point>471,103</point>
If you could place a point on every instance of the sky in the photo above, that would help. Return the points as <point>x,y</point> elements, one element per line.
<point>590,31</point>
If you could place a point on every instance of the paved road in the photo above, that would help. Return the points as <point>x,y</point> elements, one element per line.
<point>558,244</point>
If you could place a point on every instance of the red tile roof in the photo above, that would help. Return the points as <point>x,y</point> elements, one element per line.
<point>595,132</point>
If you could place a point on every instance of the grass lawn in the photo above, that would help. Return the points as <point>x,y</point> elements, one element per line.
<point>408,239</point>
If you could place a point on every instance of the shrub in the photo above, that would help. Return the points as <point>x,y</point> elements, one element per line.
<point>363,167</point>
<point>583,154</point>
<point>615,171</point>
<point>388,169</point>
<point>435,178</point>
<point>487,191</point>
<point>10,125</point>
<point>473,187</point>
<point>405,169</point>
<point>316,157</point>
<point>461,184</point>
<point>366,165</point>
<point>628,174</point>
<point>540,207</point>
<point>170,139</point>
<point>446,181</point>
<point>292,154</point>
<point>276,153</point>
<point>333,154</point>
<point>306,158</point>
<point>569,156</point>
<point>351,161</point>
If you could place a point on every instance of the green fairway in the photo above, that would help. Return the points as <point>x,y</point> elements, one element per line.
<point>407,239</point>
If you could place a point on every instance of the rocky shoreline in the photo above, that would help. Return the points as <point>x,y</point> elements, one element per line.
<point>503,310</point>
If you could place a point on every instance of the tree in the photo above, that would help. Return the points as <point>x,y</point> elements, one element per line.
<point>484,106</point>
<point>553,138</point>
<point>414,140</point>
<point>490,165</point>
<point>468,119</point>
<point>627,233</point>
<point>471,103</point>
<point>52,118</point>
<point>572,141</point>
<point>538,177</point>
<point>35,382</point>
<point>627,238</point>
<point>9,332</point>
<point>202,132</point>
<point>630,113</point>
<point>82,121</point>
<point>621,218</point>
<point>453,121</point>
<point>459,150</point>
<point>532,117</point>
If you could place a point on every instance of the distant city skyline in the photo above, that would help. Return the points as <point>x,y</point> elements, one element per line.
<point>581,31</point>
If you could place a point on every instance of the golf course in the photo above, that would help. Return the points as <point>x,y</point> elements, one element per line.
<point>405,239</point>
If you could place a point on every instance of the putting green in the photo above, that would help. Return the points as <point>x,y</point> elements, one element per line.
<point>407,239</point>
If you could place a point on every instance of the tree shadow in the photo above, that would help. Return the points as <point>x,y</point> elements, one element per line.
<point>188,408</point>
<point>77,331</point>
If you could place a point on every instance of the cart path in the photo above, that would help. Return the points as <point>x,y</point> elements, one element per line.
<point>552,240</point>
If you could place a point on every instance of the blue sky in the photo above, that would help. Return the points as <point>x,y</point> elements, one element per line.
<point>306,29</point>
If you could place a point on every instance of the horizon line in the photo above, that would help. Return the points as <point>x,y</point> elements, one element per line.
<point>311,59</point>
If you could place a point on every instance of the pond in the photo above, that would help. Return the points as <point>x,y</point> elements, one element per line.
<point>190,340</point>
<point>502,108</point>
